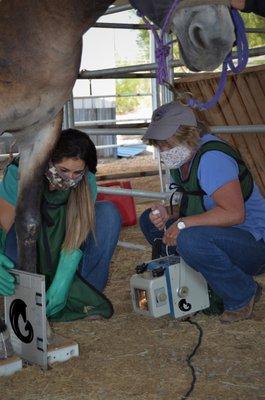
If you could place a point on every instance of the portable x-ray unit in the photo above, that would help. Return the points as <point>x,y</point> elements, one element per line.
<point>25,317</point>
<point>168,286</point>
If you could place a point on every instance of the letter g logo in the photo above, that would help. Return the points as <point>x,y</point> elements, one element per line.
<point>17,309</point>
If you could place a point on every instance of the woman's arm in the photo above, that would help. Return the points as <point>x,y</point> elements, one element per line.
<point>7,215</point>
<point>229,211</point>
<point>238,4</point>
<point>8,197</point>
<point>255,6</point>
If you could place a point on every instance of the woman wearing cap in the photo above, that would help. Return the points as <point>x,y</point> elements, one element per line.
<point>220,229</point>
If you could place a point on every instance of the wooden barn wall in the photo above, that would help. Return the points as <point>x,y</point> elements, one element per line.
<point>242,103</point>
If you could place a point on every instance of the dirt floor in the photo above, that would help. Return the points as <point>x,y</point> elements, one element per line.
<point>135,357</point>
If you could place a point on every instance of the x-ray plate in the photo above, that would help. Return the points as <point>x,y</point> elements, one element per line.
<point>25,315</point>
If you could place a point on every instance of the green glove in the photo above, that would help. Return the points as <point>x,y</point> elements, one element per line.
<point>56,296</point>
<point>7,285</point>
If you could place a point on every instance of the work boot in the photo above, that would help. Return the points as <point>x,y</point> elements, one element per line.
<point>244,312</point>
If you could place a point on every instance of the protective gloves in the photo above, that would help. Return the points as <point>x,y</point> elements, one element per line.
<point>7,285</point>
<point>57,294</point>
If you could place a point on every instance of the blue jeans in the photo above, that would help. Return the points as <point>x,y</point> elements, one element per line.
<point>228,258</point>
<point>94,266</point>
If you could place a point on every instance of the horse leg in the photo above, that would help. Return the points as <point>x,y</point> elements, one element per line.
<point>32,163</point>
<point>34,155</point>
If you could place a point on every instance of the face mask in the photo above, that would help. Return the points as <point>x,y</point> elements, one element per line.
<point>59,180</point>
<point>176,157</point>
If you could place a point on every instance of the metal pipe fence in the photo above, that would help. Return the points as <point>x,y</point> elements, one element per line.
<point>114,72</point>
<point>138,75</point>
<point>117,9</point>
<point>136,193</point>
<point>141,131</point>
<point>116,122</point>
<point>114,96</point>
<point>116,25</point>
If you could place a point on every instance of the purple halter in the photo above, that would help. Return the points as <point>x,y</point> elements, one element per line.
<point>162,51</point>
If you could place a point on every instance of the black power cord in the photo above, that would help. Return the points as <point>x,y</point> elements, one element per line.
<point>189,357</point>
<point>156,253</point>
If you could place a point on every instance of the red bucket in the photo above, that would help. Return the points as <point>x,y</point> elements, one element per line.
<point>125,204</point>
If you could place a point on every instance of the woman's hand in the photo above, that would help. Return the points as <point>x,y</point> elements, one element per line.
<point>238,4</point>
<point>171,234</point>
<point>159,216</point>
<point>56,299</point>
<point>57,294</point>
<point>7,215</point>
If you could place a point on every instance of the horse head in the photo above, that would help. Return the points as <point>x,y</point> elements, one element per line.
<point>204,29</point>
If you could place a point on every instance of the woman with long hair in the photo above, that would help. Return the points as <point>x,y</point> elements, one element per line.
<point>78,235</point>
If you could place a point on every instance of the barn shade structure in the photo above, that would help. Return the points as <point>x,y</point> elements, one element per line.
<point>242,103</point>
<point>238,117</point>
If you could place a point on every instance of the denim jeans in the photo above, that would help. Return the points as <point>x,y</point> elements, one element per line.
<point>228,258</point>
<point>94,266</point>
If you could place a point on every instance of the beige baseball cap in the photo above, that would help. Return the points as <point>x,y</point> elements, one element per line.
<point>167,119</point>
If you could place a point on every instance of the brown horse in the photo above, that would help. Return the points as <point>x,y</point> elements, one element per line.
<point>40,50</point>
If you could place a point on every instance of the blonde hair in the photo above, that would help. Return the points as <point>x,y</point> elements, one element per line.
<point>185,134</point>
<point>80,215</point>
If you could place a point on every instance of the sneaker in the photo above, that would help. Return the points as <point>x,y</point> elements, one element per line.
<point>244,312</point>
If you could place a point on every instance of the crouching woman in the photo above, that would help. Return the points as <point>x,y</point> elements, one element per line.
<point>220,228</point>
<point>77,237</point>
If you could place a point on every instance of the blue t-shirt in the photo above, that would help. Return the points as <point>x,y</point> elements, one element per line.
<point>217,169</point>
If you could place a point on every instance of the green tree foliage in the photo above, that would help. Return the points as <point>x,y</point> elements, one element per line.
<point>130,86</point>
<point>133,86</point>
<point>143,42</point>
<point>254,21</point>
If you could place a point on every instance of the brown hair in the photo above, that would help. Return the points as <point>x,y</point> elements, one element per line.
<point>80,218</point>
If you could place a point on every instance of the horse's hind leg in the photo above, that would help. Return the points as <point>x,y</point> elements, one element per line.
<point>33,160</point>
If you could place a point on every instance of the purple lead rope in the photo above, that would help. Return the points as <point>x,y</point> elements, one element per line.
<point>162,50</point>
<point>242,54</point>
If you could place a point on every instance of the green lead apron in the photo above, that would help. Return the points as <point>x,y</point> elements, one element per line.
<point>83,299</point>
<point>192,196</point>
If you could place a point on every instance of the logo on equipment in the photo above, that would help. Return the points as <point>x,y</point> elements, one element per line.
<point>184,306</point>
<point>17,312</point>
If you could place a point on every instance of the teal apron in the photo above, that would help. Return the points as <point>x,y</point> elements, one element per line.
<point>83,299</point>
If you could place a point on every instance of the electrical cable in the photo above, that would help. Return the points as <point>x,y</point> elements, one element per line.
<point>189,357</point>
<point>155,254</point>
